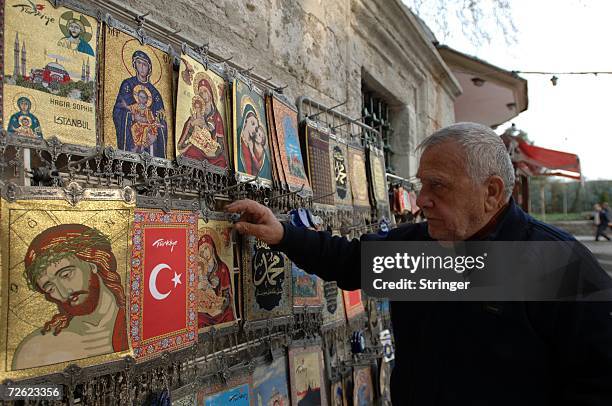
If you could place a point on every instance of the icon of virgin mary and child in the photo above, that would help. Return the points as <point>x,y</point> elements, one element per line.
<point>253,151</point>
<point>214,286</point>
<point>203,135</point>
<point>139,114</point>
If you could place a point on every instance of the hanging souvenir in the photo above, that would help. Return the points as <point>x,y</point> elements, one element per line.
<point>414,209</point>
<point>201,119</point>
<point>307,288</point>
<point>339,161</point>
<point>270,383</point>
<point>163,300</point>
<point>319,168</point>
<point>353,304</point>
<point>50,72</point>
<point>338,395</point>
<point>359,179</point>
<point>187,400</point>
<point>250,133</point>
<point>378,181</point>
<point>217,280</point>
<point>333,306</point>
<point>278,174</point>
<point>266,276</point>
<point>64,278</point>
<point>235,392</point>
<point>363,390</point>
<point>138,102</point>
<point>285,124</point>
<point>306,374</point>
<point>384,382</point>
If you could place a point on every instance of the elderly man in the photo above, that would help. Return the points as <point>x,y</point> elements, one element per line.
<point>468,353</point>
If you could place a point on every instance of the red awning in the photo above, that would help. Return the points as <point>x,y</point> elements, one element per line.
<point>543,161</point>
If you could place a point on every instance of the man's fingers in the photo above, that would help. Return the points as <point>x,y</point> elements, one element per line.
<point>246,205</point>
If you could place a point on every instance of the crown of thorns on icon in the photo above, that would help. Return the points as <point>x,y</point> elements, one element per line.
<point>46,250</point>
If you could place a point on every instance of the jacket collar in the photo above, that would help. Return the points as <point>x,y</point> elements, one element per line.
<point>512,225</point>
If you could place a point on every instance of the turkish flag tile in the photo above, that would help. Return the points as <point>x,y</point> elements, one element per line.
<point>352,303</point>
<point>163,282</point>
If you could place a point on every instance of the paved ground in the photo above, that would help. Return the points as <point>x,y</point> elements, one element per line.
<point>602,250</point>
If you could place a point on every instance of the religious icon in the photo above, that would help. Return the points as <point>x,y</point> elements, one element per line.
<point>67,279</point>
<point>285,124</point>
<point>50,75</point>
<point>320,171</point>
<point>200,114</point>
<point>266,281</point>
<point>363,391</point>
<point>338,394</point>
<point>77,33</point>
<point>353,304</point>
<point>138,113</point>
<point>385,382</point>
<point>307,288</point>
<point>359,179</point>
<point>163,290</point>
<point>24,122</point>
<point>235,392</point>
<point>251,146</point>
<point>215,288</point>
<point>306,372</point>
<point>270,384</point>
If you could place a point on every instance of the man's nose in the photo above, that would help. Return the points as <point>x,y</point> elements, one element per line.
<point>423,200</point>
<point>63,291</point>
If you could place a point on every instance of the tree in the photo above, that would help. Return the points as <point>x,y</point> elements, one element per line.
<point>475,18</point>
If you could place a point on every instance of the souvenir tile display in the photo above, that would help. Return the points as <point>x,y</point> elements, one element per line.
<point>50,72</point>
<point>363,390</point>
<point>341,181</point>
<point>67,268</point>
<point>236,392</point>
<point>319,168</point>
<point>338,395</point>
<point>250,133</point>
<point>378,183</point>
<point>286,130</point>
<point>266,276</point>
<point>164,273</point>
<point>353,303</point>
<point>270,384</point>
<point>306,371</point>
<point>201,120</point>
<point>307,288</point>
<point>333,304</point>
<point>138,101</point>
<point>216,285</point>
<point>357,174</point>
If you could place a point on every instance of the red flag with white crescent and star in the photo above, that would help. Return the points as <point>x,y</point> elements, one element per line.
<point>165,265</point>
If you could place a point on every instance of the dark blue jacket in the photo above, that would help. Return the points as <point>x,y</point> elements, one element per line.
<point>475,353</point>
<point>604,218</point>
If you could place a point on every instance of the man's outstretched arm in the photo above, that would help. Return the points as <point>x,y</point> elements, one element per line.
<point>318,252</point>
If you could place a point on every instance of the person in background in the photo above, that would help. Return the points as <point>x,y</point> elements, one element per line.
<point>604,222</point>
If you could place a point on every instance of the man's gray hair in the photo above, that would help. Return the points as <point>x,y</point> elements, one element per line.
<point>485,153</point>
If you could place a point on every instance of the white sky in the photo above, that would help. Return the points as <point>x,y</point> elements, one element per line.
<point>553,36</point>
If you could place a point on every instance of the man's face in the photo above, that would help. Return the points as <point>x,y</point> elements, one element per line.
<point>75,30</point>
<point>451,201</point>
<point>67,280</point>
<point>142,67</point>
<point>23,106</point>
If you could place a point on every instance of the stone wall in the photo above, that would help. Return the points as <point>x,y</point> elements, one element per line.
<point>323,49</point>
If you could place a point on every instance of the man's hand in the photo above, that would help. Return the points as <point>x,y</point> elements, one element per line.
<point>257,220</point>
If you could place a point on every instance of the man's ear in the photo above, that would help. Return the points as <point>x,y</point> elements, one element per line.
<point>494,198</point>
